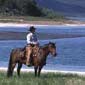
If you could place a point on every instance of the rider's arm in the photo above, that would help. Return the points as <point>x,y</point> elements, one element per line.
<point>29,38</point>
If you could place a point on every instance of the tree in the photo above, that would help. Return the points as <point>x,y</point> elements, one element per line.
<point>21,7</point>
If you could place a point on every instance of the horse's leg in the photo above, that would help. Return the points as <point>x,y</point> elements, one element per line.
<point>35,70</point>
<point>39,70</point>
<point>18,69</point>
<point>12,68</point>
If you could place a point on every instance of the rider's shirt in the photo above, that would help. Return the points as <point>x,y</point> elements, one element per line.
<point>32,38</point>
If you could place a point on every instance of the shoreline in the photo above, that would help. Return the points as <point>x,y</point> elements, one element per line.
<point>79,73</point>
<point>42,23</point>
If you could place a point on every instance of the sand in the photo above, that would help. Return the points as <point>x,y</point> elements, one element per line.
<point>44,23</point>
<point>3,69</point>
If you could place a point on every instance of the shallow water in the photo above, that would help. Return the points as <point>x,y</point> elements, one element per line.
<point>48,29</point>
<point>71,51</point>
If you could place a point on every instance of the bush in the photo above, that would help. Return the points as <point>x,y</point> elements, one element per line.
<point>51,14</point>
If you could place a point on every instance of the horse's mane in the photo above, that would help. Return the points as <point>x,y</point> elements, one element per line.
<point>44,46</point>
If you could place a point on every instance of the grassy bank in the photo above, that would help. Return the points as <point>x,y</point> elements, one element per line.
<point>38,20</point>
<point>28,18</point>
<point>35,20</point>
<point>45,79</point>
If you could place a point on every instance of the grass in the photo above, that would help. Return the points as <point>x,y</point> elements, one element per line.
<point>45,79</point>
<point>27,19</point>
<point>37,20</point>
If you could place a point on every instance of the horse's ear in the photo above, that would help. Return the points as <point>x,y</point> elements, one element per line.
<point>49,42</point>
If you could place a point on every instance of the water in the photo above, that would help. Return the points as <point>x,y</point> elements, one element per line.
<point>71,51</point>
<point>77,18</point>
<point>49,29</point>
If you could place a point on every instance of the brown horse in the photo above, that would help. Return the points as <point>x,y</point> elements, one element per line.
<point>38,60</point>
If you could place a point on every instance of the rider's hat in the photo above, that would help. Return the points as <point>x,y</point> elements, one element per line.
<point>32,28</point>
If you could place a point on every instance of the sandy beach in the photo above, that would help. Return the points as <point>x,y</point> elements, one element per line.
<point>22,23</point>
<point>79,73</point>
<point>38,24</point>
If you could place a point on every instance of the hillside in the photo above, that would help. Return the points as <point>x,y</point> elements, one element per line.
<point>65,7</point>
<point>19,7</point>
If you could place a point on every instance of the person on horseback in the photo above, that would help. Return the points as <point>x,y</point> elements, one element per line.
<point>32,42</point>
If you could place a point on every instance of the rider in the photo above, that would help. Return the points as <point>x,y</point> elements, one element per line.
<point>32,41</point>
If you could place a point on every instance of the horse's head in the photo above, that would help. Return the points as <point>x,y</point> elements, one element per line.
<point>52,48</point>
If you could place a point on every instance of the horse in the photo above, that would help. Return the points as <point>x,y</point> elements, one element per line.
<point>38,60</point>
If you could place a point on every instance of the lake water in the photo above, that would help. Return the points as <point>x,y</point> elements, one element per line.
<point>71,51</point>
<point>77,18</point>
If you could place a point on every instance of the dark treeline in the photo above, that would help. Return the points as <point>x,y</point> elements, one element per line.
<point>19,7</point>
<point>26,8</point>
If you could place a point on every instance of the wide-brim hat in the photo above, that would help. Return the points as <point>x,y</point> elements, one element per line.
<point>32,28</point>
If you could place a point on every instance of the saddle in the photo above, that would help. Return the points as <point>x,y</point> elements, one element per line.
<point>35,51</point>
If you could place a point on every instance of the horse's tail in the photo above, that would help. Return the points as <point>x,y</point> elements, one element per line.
<point>9,71</point>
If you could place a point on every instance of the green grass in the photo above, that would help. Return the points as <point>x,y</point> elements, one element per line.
<point>28,18</point>
<point>45,79</point>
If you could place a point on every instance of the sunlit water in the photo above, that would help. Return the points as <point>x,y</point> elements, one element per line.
<point>71,51</point>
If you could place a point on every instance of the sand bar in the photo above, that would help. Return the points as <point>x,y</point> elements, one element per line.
<point>36,24</point>
<point>3,69</point>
